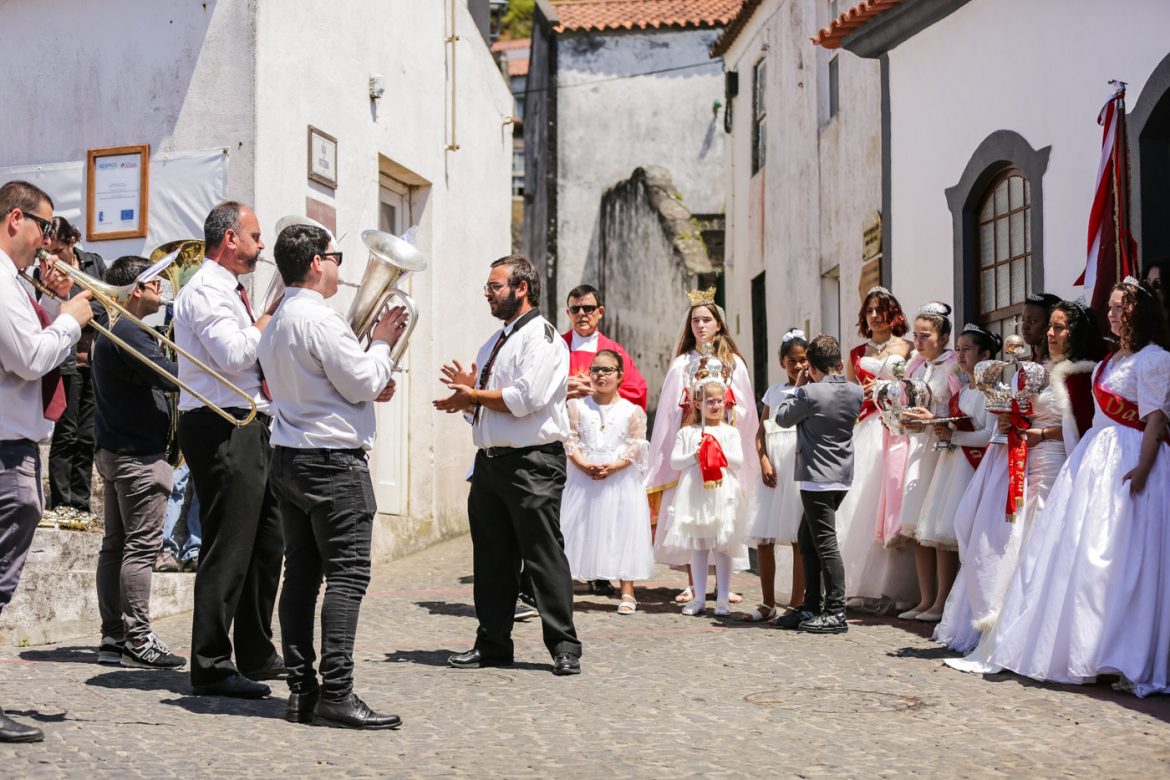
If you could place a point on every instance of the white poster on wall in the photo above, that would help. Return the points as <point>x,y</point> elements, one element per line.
<point>184,186</point>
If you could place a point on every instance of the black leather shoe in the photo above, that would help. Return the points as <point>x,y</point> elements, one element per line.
<point>563,663</point>
<point>474,659</point>
<point>794,617</point>
<point>825,623</point>
<point>352,713</point>
<point>237,686</point>
<point>300,706</point>
<point>273,670</point>
<point>11,731</point>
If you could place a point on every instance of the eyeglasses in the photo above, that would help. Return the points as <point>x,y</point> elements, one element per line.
<point>584,308</point>
<point>154,284</point>
<point>44,224</point>
<point>603,370</point>
<point>334,256</point>
<point>495,287</point>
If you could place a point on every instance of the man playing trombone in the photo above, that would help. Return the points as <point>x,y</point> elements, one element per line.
<point>239,564</point>
<point>31,395</point>
<point>323,385</point>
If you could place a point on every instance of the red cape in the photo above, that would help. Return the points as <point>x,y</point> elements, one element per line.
<point>633,387</point>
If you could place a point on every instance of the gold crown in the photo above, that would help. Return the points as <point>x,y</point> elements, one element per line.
<point>702,297</point>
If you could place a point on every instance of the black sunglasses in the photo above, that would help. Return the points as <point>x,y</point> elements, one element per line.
<point>44,224</point>
<point>585,308</point>
<point>334,256</point>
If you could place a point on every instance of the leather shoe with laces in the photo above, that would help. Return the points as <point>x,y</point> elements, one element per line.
<point>475,659</point>
<point>794,617</point>
<point>12,731</point>
<point>273,670</point>
<point>301,704</point>
<point>825,623</point>
<point>352,713</point>
<point>237,686</point>
<point>563,663</point>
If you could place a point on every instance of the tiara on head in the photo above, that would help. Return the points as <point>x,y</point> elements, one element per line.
<point>702,297</point>
<point>795,333</point>
<point>936,308</point>
<point>971,327</point>
<point>1131,281</point>
<point>878,289</point>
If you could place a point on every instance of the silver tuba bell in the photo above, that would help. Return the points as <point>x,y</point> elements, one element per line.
<point>391,258</point>
<point>276,284</point>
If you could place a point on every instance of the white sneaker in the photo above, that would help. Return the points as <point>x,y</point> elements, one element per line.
<point>696,607</point>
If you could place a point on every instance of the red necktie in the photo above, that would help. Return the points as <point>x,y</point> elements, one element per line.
<point>52,388</point>
<point>248,308</point>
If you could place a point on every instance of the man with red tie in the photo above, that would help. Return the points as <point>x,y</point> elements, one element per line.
<point>585,310</point>
<point>31,395</point>
<point>242,545</point>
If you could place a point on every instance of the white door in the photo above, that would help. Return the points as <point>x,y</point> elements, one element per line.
<point>390,464</point>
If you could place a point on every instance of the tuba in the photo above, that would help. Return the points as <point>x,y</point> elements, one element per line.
<point>276,286</point>
<point>391,258</point>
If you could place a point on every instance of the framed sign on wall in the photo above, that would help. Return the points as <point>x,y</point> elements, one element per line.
<point>322,158</point>
<point>117,192</point>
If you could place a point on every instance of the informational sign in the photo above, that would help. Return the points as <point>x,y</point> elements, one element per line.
<point>322,158</point>
<point>117,192</point>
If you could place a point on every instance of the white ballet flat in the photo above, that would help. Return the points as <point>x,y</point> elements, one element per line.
<point>909,614</point>
<point>929,617</point>
<point>694,608</point>
<point>685,596</point>
<point>722,609</point>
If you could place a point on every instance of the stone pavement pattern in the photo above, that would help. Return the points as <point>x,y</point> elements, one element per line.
<point>661,695</point>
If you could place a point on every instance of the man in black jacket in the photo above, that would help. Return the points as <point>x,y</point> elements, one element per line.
<point>131,422</point>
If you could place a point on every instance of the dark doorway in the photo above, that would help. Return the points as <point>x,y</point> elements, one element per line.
<point>1154,140</point>
<point>759,336</point>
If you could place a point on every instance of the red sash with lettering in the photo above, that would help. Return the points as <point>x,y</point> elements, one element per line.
<point>1017,448</point>
<point>863,376</point>
<point>1118,409</point>
<point>973,454</point>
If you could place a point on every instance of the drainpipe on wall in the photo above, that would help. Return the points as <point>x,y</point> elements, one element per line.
<point>453,40</point>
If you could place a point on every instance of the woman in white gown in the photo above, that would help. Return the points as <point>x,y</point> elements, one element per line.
<point>704,328</point>
<point>1089,594</point>
<point>877,578</point>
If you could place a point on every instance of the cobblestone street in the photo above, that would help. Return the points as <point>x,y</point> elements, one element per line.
<point>661,695</point>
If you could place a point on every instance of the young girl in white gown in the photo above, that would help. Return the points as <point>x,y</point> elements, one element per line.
<point>778,507</point>
<point>604,516</point>
<point>708,511</point>
<point>989,545</point>
<point>1089,594</point>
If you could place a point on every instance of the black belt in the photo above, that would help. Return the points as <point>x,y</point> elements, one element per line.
<point>235,411</point>
<point>323,452</point>
<point>17,443</point>
<point>553,448</point>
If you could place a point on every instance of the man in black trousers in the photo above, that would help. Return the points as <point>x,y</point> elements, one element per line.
<point>240,558</point>
<point>516,404</point>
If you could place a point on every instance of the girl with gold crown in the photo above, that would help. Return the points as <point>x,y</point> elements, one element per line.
<point>704,331</point>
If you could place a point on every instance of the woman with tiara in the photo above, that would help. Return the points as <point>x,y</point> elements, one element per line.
<point>989,544</point>
<point>1089,595</point>
<point>704,331</point>
<point>878,578</point>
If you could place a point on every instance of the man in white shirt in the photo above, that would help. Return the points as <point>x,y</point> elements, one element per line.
<point>31,395</point>
<point>516,403</point>
<point>239,565</point>
<point>323,388</point>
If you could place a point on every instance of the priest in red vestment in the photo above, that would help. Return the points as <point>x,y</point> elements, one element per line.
<point>585,310</point>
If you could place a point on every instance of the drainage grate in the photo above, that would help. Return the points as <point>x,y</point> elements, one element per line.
<point>832,701</point>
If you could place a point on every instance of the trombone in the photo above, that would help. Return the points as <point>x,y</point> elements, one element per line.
<point>114,300</point>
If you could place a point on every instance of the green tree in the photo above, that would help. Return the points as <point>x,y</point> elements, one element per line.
<point>517,22</point>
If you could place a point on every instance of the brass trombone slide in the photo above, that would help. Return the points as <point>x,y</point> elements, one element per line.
<point>109,296</point>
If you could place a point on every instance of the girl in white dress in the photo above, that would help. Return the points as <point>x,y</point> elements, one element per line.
<point>989,545</point>
<point>935,365</point>
<point>778,507</point>
<point>703,329</point>
<point>708,510</point>
<point>1089,594</point>
<point>604,516</point>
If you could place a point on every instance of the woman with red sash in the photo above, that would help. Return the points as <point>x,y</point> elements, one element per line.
<point>1089,594</point>
<point>877,578</point>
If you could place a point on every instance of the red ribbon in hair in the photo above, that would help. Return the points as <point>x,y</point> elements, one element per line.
<point>711,461</point>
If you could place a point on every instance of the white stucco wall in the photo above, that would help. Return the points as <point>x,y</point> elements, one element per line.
<point>1039,68</point>
<point>611,120</point>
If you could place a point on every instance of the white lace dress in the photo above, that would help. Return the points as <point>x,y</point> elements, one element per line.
<point>1089,596</point>
<point>704,518</point>
<point>923,458</point>
<point>778,509</point>
<point>606,523</point>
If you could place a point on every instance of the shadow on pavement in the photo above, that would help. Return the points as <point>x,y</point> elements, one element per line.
<point>439,658</point>
<point>454,609</point>
<point>271,707</point>
<point>938,653</point>
<point>144,680</point>
<point>62,655</point>
<point>38,716</point>
<point>1154,706</point>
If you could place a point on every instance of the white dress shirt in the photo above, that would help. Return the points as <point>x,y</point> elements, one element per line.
<point>27,353</point>
<point>322,382</point>
<point>212,324</point>
<point>531,371</point>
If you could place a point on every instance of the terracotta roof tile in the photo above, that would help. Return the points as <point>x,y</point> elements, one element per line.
<point>831,37</point>
<point>511,43</point>
<point>735,27</point>
<point>518,67</point>
<point>600,15</point>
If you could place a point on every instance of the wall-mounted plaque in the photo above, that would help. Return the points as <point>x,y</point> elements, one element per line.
<point>322,158</point>
<point>117,192</point>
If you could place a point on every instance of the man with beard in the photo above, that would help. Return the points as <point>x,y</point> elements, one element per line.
<point>516,404</point>
<point>242,545</point>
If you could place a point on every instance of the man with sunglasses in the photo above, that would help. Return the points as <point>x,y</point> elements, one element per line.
<point>31,395</point>
<point>585,310</point>
<point>323,388</point>
<point>132,420</point>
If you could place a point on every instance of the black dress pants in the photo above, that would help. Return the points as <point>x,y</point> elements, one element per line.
<point>239,561</point>
<point>327,511</point>
<point>514,509</point>
<point>824,571</point>
<point>71,451</point>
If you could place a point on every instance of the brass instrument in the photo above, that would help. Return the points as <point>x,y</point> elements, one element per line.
<point>391,259</point>
<point>276,285</point>
<point>114,299</point>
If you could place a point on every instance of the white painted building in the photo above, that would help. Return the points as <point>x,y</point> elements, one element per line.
<point>992,145</point>
<point>224,93</point>
<point>803,172</point>
<point>613,87</point>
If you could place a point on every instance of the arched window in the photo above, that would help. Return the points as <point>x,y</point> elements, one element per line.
<point>1004,276</point>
